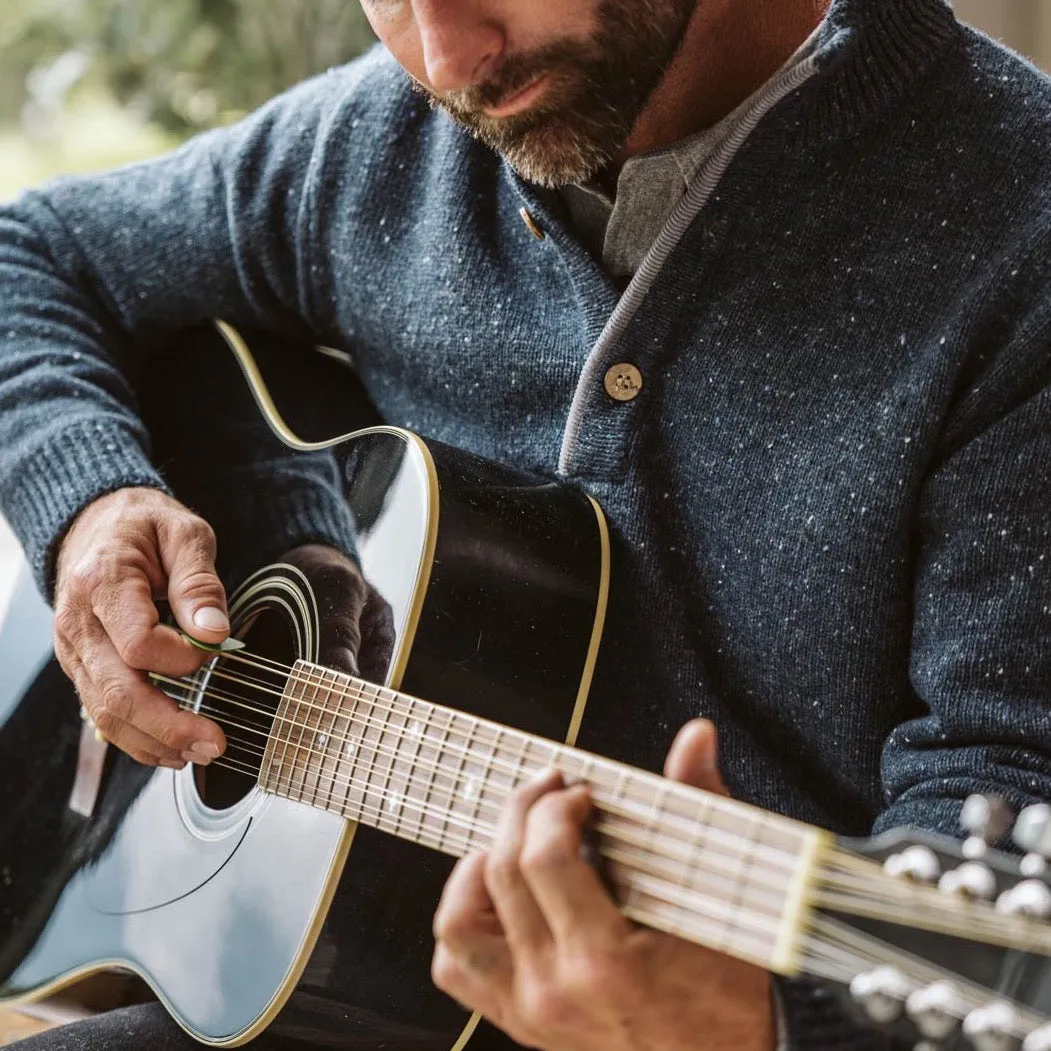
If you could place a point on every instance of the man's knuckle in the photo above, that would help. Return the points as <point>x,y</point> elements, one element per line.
<point>114,707</point>
<point>198,583</point>
<point>545,1006</point>
<point>445,972</point>
<point>545,850</point>
<point>501,870</point>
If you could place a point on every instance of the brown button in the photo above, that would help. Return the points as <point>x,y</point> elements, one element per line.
<point>624,382</point>
<point>531,224</point>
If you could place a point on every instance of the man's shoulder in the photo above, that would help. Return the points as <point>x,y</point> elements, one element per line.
<point>1004,98</point>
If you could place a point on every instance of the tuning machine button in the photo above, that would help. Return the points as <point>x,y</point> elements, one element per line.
<point>1031,897</point>
<point>993,1027</point>
<point>1032,831</point>
<point>881,993</point>
<point>917,863</point>
<point>987,818</point>
<point>936,1010</point>
<point>1038,1040</point>
<point>973,879</point>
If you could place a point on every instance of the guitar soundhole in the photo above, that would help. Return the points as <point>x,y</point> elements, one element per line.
<point>242,696</point>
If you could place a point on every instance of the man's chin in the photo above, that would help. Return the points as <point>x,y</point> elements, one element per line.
<point>550,154</point>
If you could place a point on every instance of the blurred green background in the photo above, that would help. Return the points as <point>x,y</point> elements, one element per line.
<point>87,84</point>
<point>93,83</point>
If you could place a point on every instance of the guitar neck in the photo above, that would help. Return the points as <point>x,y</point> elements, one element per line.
<point>715,871</point>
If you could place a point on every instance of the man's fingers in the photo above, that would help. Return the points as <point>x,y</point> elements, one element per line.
<point>519,915</point>
<point>571,896</point>
<point>694,760</point>
<point>187,551</point>
<point>126,610</point>
<point>117,698</point>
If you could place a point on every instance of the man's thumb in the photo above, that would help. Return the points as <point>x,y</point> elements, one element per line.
<point>196,596</point>
<point>693,759</point>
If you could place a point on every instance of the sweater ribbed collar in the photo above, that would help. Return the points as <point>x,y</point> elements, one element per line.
<point>871,52</point>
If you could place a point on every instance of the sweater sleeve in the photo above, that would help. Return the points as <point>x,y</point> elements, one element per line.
<point>981,663</point>
<point>94,269</point>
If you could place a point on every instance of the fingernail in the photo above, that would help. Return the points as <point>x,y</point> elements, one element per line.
<point>202,753</point>
<point>211,618</point>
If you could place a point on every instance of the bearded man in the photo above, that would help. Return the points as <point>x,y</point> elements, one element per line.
<point>769,278</point>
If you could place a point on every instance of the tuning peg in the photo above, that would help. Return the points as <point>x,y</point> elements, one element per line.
<point>881,993</point>
<point>973,879</point>
<point>1031,897</point>
<point>917,863</point>
<point>993,1027</point>
<point>936,1010</point>
<point>1032,831</point>
<point>987,818</point>
<point>1038,1040</point>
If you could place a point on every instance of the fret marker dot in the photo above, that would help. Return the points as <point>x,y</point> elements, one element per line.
<point>322,741</point>
<point>393,803</point>
<point>470,789</point>
<point>415,730</point>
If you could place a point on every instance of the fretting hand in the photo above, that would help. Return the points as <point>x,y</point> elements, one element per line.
<point>528,936</point>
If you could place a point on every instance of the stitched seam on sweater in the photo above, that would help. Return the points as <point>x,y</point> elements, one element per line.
<point>693,203</point>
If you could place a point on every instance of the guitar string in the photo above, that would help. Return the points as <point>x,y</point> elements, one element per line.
<point>646,859</point>
<point>822,956</point>
<point>913,896</point>
<point>713,909</point>
<point>609,828</point>
<point>385,699</point>
<point>490,763</point>
<point>878,902</point>
<point>876,905</point>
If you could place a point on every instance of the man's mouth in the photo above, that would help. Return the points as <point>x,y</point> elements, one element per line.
<point>521,100</point>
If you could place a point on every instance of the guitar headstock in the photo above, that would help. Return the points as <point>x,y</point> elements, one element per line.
<point>956,935</point>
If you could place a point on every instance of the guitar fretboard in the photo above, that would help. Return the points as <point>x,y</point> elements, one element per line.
<point>722,873</point>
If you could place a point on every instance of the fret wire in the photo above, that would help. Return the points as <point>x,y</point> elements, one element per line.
<point>413,762</point>
<point>322,708</point>
<point>293,699</point>
<point>444,810</point>
<point>390,805</point>
<point>494,747</point>
<point>350,755</point>
<point>720,806</point>
<point>745,861</point>
<point>334,746</point>
<point>402,791</point>
<point>300,746</point>
<point>615,769</point>
<point>431,783</point>
<point>456,777</point>
<point>371,762</point>
<point>326,714</point>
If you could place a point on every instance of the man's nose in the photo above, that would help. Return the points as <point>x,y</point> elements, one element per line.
<point>460,45</point>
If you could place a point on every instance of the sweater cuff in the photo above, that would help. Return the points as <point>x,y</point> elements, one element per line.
<point>79,463</point>
<point>816,1020</point>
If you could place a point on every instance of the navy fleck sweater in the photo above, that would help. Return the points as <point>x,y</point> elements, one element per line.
<point>831,499</point>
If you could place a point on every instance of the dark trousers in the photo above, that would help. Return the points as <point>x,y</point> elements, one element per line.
<point>146,1027</point>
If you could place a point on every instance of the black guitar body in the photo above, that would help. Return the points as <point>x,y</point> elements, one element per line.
<point>496,584</point>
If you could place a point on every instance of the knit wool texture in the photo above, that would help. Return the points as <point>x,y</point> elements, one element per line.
<point>830,503</point>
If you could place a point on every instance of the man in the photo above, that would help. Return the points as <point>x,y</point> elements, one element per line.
<point>770,278</point>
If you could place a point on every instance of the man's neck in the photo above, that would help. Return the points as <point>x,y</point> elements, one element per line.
<point>731,48</point>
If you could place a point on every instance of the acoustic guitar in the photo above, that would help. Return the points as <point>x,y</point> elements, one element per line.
<point>293,882</point>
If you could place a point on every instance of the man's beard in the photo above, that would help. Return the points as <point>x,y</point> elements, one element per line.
<point>596,91</point>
